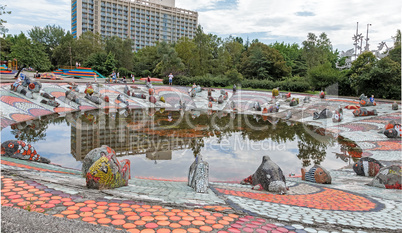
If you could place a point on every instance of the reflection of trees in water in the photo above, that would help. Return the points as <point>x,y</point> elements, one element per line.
<point>34,130</point>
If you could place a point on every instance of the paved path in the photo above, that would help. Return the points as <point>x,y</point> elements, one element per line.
<point>149,205</point>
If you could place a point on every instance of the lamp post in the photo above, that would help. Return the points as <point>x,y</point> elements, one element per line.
<point>366,48</point>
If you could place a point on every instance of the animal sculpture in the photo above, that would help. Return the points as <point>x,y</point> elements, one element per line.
<point>20,150</point>
<point>198,175</point>
<point>322,94</point>
<point>22,90</point>
<point>257,106</point>
<point>288,95</point>
<point>122,99</point>
<point>395,106</point>
<point>367,167</point>
<point>294,102</point>
<point>106,172</point>
<point>316,174</point>
<point>220,99</point>
<point>52,103</point>
<point>394,132</point>
<point>269,177</point>
<point>162,99</point>
<point>364,101</point>
<point>325,113</point>
<point>73,97</point>
<point>234,88</point>
<point>152,99</point>
<point>389,177</point>
<point>364,112</point>
<point>32,85</point>
<point>93,99</point>
<point>338,115</point>
<point>275,92</point>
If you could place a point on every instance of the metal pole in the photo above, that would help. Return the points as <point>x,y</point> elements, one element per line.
<point>367,38</point>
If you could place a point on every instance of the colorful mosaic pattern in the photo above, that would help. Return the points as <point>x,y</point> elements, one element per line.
<point>326,199</point>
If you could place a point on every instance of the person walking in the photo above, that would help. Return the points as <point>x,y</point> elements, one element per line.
<point>170,79</point>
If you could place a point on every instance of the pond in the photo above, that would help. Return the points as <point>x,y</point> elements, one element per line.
<point>162,144</point>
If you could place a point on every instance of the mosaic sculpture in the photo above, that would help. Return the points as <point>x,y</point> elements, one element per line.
<point>89,90</point>
<point>389,177</point>
<point>352,106</point>
<point>151,91</point>
<point>138,95</point>
<point>20,150</point>
<point>72,96</point>
<point>325,113</point>
<point>93,99</point>
<point>50,102</point>
<point>294,102</point>
<point>226,96</point>
<point>275,92</point>
<point>22,90</point>
<point>364,112</point>
<point>220,99</point>
<point>395,106</point>
<point>162,99</point>
<point>288,95</point>
<point>105,172</point>
<point>198,175</point>
<point>122,99</point>
<point>32,85</point>
<point>388,126</point>
<point>234,88</point>
<point>316,174</point>
<point>73,86</point>
<point>367,167</point>
<point>322,94</point>
<point>338,115</point>
<point>364,101</point>
<point>394,132</point>
<point>152,99</point>
<point>257,106</point>
<point>269,177</point>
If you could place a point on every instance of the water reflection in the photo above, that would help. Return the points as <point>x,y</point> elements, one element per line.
<point>232,144</point>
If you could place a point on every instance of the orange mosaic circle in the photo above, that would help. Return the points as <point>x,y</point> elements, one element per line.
<point>147,231</point>
<point>163,230</point>
<point>55,202</point>
<point>98,211</point>
<point>124,205</point>
<point>133,217</point>
<point>73,216</point>
<point>228,219</point>
<point>139,222</point>
<point>89,202</point>
<point>89,219</point>
<point>187,218</point>
<point>133,230</point>
<point>111,212</point>
<point>80,204</point>
<point>47,205</point>
<point>104,220</point>
<point>17,189</point>
<point>179,231</point>
<point>193,230</point>
<point>147,218</point>
<point>182,214</point>
<point>44,199</point>
<point>206,228</point>
<point>86,214</point>
<point>198,223</point>
<point>161,217</point>
<point>114,204</point>
<point>146,206</point>
<point>101,203</point>
<point>92,205</point>
<point>114,208</point>
<point>200,218</point>
<point>174,225</point>
<point>22,192</point>
<point>209,221</point>
<point>211,217</point>
<point>85,209</point>
<point>56,198</point>
<point>73,208</point>
<point>157,207</point>
<point>118,216</point>
<point>99,215</point>
<point>129,226</point>
<point>163,223</point>
<point>27,195</point>
<point>184,223</point>
<point>129,213</point>
<point>68,203</point>
<point>103,207</point>
<point>126,209</point>
<point>118,222</point>
<point>175,218</point>
<point>217,226</point>
<point>68,212</point>
<point>224,222</point>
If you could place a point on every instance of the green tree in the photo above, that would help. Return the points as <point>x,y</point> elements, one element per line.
<point>50,36</point>
<point>263,62</point>
<point>204,52</point>
<point>185,49</point>
<point>318,50</point>
<point>30,54</point>
<point>322,76</point>
<point>85,45</point>
<point>234,47</point>
<point>145,60</point>
<point>63,54</point>
<point>170,62</point>
<point>110,63</point>
<point>3,11</point>
<point>360,71</point>
<point>293,55</point>
<point>97,62</point>
<point>122,51</point>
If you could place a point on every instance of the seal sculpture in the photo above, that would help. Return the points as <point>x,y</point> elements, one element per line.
<point>198,175</point>
<point>269,177</point>
<point>316,174</point>
<point>325,113</point>
<point>105,171</point>
<point>394,132</point>
<point>364,112</point>
<point>20,150</point>
<point>367,167</point>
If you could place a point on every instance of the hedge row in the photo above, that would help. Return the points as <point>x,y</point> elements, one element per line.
<point>223,81</point>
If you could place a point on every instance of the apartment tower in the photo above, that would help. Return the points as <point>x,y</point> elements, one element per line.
<point>144,21</point>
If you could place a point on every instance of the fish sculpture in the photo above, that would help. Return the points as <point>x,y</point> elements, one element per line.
<point>364,112</point>
<point>367,167</point>
<point>316,174</point>
<point>21,150</point>
<point>394,132</point>
<point>269,177</point>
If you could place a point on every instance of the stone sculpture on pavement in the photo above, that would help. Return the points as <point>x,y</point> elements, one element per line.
<point>389,177</point>
<point>275,92</point>
<point>395,106</point>
<point>325,113</point>
<point>105,171</point>
<point>198,175</point>
<point>367,167</point>
<point>322,94</point>
<point>394,132</point>
<point>316,174</point>
<point>32,85</point>
<point>338,115</point>
<point>73,97</point>
<point>269,177</point>
<point>364,101</point>
<point>364,112</point>
<point>294,102</point>
<point>20,150</point>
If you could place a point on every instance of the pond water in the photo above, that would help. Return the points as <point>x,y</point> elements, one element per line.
<point>163,144</point>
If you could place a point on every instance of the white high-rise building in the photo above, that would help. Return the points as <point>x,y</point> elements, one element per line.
<point>143,21</point>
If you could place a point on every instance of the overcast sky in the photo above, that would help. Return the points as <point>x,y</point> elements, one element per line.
<point>267,20</point>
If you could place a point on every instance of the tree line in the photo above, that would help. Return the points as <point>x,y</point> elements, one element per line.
<point>212,60</point>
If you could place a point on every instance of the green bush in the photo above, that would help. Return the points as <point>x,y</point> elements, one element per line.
<point>123,72</point>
